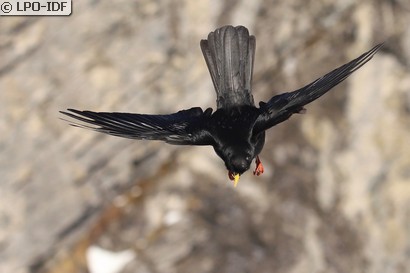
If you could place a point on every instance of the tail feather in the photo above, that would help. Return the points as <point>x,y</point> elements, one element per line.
<point>229,54</point>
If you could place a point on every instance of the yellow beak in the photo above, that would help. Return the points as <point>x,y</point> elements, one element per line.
<point>236,180</point>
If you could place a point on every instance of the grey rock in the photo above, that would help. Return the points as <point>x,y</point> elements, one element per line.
<point>335,196</point>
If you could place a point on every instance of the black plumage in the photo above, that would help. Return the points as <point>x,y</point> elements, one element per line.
<point>236,130</point>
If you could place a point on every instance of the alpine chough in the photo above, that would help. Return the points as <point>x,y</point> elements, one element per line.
<point>236,130</point>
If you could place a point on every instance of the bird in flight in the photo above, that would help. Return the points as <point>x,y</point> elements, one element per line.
<point>236,130</point>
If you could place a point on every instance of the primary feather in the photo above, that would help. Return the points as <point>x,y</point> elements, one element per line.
<point>279,108</point>
<point>183,127</point>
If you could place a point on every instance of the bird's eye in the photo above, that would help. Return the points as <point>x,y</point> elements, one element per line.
<point>248,158</point>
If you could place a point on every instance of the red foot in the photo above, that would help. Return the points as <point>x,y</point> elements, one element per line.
<point>259,167</point>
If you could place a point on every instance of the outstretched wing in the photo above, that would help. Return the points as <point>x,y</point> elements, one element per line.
<point>186,127</point>
<point>281,107</point>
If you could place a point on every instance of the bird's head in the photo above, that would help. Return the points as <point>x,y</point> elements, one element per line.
<point>237,161</point>
<point>238,164</point>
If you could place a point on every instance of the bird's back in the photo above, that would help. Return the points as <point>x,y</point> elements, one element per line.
<point>229,54</point>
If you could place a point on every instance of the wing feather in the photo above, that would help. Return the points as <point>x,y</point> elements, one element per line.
<point>186,127</point>
<point>279,108</point>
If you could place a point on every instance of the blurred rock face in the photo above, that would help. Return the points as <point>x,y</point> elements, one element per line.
<point>335,196</point>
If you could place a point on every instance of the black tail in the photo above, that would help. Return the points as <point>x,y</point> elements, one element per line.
<point>229,53</point>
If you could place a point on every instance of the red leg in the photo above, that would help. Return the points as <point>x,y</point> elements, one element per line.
<point>259,167</point>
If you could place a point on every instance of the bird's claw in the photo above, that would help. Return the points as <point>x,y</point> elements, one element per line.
<point>259,167</point>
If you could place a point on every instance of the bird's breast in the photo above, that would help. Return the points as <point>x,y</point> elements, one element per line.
<point>234,125</point>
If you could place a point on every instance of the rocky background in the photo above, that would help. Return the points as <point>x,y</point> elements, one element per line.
<point>335,196</point>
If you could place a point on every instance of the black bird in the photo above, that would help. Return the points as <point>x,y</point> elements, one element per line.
<point>236,130</point>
